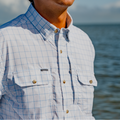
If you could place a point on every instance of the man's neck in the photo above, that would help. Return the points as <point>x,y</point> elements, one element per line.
<point>57,18</point>
<point>59,21</point>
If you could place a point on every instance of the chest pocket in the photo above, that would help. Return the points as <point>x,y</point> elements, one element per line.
<point>85,92</point>
<point>33,78</point>
<point>87,80</point>
<point>31,88</point>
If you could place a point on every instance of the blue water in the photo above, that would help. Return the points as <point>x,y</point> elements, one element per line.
<point>106,40</point>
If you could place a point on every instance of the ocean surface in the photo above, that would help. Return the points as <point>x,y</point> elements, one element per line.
<point>106,40</point>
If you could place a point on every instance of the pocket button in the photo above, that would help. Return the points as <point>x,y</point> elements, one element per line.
<point>34,81</point>
<point>90,81</point>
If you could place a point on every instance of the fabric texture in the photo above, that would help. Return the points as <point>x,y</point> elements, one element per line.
<point>46,73</point>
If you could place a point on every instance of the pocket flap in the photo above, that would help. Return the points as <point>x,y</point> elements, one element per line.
<point>32,77</point>
<point>87,80</point>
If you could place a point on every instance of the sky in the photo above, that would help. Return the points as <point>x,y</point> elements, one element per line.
<point>82,11</point>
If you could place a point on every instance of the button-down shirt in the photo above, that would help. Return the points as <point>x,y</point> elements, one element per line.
<point>46,73</point>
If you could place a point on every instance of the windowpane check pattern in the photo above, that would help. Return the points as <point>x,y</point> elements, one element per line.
<point>46,73</point>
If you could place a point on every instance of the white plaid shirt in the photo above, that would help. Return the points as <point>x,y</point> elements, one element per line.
<point>45,73</point>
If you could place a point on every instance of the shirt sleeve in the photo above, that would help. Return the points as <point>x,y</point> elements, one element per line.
<point>2,63</point>
<point>0,91</point>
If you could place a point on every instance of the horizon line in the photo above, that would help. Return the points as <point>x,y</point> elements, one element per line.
<point>88,23</point>
<point>96,23</point>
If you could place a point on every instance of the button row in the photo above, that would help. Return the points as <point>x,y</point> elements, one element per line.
<point>34,81</point>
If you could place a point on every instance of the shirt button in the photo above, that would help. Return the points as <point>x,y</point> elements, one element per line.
<point>67,111</point>
<point>34,81</point>
<point>60,51</point>
<point>90,81</point>
<point>56,31</point>
<point>64,81</point>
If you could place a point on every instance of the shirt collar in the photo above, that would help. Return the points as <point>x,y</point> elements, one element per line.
<point>42,25</point>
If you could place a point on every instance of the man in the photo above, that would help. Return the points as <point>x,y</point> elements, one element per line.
<point>46,65</point>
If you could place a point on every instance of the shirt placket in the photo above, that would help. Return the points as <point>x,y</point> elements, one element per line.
<point>64,69</point>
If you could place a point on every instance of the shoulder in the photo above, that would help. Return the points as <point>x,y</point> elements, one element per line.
<point>78,31</point>
<point>79,37</point>
<point>11,26</point>
<point>78,34</point>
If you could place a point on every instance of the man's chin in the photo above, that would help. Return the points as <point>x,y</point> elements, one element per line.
<point>65,2</point>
